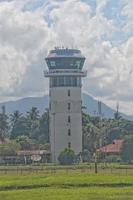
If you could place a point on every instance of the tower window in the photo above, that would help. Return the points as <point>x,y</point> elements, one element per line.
<point>69,145</point>
<point>69,93</point>
<point>69,119</point>
<point>52,63</point>
<point>69,132</point>
<point>69,106</point>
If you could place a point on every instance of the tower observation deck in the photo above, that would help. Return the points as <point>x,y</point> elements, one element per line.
<point>65,104</point>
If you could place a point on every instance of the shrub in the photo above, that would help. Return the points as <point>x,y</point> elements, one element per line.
<point>66,157</point>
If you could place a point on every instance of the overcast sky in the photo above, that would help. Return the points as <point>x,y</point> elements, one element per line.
<point>102,29</point>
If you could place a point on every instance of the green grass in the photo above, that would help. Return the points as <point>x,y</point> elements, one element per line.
<point>66,186</point>
<point>65,180</point>
<point>70,194</point>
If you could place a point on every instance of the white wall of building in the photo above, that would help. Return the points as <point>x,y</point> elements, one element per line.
<point>59,124</point>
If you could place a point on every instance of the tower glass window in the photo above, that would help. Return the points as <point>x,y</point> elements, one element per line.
<point>69,93</point>
<point>65,81</point>
<point>69,145</point>
<point>69,106</point>
<point>69,119</point>
<point>61,81</point>
<point>53,64</point>
<point>68,80</point>
<point>65,62</point>
<point>69,132</point>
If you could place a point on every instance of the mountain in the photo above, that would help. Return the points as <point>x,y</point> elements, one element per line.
<point>90,104</point>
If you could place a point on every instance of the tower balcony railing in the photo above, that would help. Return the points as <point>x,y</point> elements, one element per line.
<point>65,72</point>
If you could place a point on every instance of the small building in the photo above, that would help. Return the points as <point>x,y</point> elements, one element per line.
<point>112,149</point>
<point>35,155</point>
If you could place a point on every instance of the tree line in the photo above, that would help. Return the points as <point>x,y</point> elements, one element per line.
<point>24,132</point>
<point>31,132</point>
<point>98,132</point>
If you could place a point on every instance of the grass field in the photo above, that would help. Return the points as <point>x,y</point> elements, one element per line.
<point>66,186</point>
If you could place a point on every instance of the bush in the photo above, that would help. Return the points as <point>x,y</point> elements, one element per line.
<point>127,149</point>
<point>113,158</point>
<point>66,157</point>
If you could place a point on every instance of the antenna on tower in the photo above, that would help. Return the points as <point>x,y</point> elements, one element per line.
<point>117,107</point>
<point>99,108</point>
<point>3,110</point>
<point>116,114</point>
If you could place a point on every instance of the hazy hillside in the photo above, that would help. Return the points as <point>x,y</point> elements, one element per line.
<point>92,107</point>
<point>41,103</point>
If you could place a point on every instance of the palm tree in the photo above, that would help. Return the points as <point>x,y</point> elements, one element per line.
<point>3,126</point>
<point>33,118</point>
<point>33,114</point>
<point>15,117</point>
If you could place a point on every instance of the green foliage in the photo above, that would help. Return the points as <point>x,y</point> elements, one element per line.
<point>44,127</point>
<point>99,132</point>
<point>25,143</point>
<point>113,159</point>
<point>127,149</point>
<point>4,126</point>
<point>15,117</point>
<point>32,130</point>
<point>9,148</point>
<point>66,157</point>
<point>86,155</point>
<point>20,127</point>
<point>91,133</point>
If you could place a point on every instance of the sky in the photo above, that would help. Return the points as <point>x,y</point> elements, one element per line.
<point>101,29</point>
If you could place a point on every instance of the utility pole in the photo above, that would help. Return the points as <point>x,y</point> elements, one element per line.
<point>95,159</point>
<point>54,136</point>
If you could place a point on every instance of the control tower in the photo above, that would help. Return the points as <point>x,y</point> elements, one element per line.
<point>65,104</point>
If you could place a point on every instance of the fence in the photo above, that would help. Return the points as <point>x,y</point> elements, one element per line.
<point>65,169</point>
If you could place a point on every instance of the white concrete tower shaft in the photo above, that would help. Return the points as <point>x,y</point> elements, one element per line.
<point>65,104</point>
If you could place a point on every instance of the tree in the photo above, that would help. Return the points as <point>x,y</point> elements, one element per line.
<point>41,132</point>
<point>3,124</point>
<point>91,137</point>
<point>26,143</point>
<point>33,118</point>
<point>14,118</point>
<point>66,157</point>
<point>9,149</point>
<point>21,127</point>
<point>33,114</point>
<point>127,149</point>
<point>44,127</point>
<point>86,155</point>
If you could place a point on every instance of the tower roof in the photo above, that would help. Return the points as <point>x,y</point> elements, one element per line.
<point>65,52</point>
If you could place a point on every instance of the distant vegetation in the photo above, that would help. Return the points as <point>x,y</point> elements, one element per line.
<point>27,132</point>
<point>31,132</point>
<point>100,132</point>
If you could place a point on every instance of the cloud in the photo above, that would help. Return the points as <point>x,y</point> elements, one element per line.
<point>127,12</point>
<point>100,5</point>
<point>28,29</point>
<point>23,39</point>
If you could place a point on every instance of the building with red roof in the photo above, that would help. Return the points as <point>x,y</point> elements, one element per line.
<point>112,149</point>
